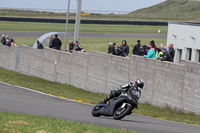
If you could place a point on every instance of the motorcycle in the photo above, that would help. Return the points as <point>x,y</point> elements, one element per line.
<point>120,106</point>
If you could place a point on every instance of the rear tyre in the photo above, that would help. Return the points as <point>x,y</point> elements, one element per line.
<point>122,112</point>
<point>96,111</point>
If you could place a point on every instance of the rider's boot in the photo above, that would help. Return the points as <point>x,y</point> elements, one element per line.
<point>104,101</point>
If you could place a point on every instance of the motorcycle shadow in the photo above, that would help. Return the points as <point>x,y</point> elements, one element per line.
<point>126,120</point>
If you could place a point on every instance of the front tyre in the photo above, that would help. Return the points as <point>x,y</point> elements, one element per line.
<point>96,111</point>
<point>122,111</point>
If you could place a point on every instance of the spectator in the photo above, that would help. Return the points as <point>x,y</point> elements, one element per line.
<point>56,43</point>
<point>71,46</point>
<point>136,48</point>
<point>147,48</point>
<point>152,43</point>
<point>50,41</point>
<point>125,47</point>
<point>110,48</point>
<point>161,46</point>
<point>3,40</point>
<point>78,47</point>
<point>13,42</point>
<point>159,52</point>
<point>151,52</point>
<point>114,46</point>
<point>118,51</point>
<point>166,56</point>
<point>171,51</point>
<point>8,43</point>
<point>39,45</point>
<point>60,48</point>
<point>143,50</point>
<point>7,37</point>
<point>10,38</point>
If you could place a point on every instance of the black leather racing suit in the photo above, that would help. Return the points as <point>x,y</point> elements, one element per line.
<point>121,89</point>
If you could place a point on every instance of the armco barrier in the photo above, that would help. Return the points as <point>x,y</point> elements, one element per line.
<point>53,20</point>
<point>176,85</point>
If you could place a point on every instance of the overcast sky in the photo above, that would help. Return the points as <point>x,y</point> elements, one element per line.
<point>104,5</point>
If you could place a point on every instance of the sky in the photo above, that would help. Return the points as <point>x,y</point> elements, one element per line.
<point>102,5</point>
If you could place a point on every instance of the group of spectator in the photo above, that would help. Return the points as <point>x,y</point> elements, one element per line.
<point>7,41</point>
<point>75,46</point>
<point>55,43</point>
<point>122,50</point>
<point>147,51</point>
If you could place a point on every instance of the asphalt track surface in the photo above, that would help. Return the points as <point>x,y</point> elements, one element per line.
<point>36,34</point>
<point>22,100</point>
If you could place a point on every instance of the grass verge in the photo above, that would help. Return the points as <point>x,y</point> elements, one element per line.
<point>18,123</point>
<point>89,28</point>
<point>71,92</point>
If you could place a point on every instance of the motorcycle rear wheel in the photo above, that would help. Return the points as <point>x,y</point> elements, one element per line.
<point>122,112</point>
<point>95,111</point>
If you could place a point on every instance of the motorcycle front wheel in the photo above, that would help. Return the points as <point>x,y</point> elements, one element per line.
<point>122,111</point>
<point>95,111</point>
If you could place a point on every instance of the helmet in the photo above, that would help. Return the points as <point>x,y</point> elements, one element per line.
<point>139,83</point>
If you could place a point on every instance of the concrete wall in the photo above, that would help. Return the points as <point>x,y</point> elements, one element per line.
<point>169,83</point>
<point>8,57</point>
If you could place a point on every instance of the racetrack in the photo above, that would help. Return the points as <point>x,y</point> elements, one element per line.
<point>22,100</point>
<point>31,34</point>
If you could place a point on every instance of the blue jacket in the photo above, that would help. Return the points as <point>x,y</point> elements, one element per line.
<point>151,54</point>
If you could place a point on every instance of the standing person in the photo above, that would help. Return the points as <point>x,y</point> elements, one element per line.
<point>161,46</point>
<point>13,42</point>
<point>8,43</point>
<point>113,47</point>
<point>7,37</point>
<point>143,50</point>
<point>3,40</point>
<point>171,51</point>
<point>110,48</point>
<point>136,48</point>
<point>118,51</point>
<point>125,47</point>
<point>50,41</point>
<point>39,45</point>
<point>153,45</point>
<point>159,53</point>
<point>166,56</point>
<point>71,46</point>
<point>56,42</point>
<point>60,48</point>
<point>78,47</point>
<point>151,52</point>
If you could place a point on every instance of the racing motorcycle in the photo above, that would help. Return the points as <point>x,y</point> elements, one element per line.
<point>120,106</point>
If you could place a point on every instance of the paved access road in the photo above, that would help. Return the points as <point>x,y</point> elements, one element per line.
<point>21,100</point>
<point>30,34</point>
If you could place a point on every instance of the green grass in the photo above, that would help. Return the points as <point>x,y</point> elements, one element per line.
<point>96,44</point>
<point>18,123</point>
<point>184,10</point>
<point>89,28</point>
<point>71,92</point>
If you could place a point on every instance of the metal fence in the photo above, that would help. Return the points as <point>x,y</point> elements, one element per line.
<point>95,14</point>
<point>61,10</point>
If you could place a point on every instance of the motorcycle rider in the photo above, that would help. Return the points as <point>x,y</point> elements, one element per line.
<point>138,84</point>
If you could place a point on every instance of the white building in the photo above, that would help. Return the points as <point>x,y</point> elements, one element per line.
<point>186,40</point>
